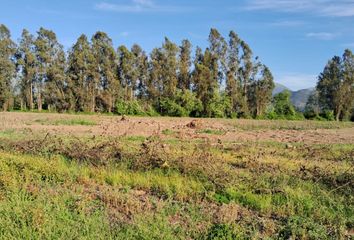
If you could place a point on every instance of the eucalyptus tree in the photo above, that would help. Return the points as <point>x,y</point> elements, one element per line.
<point>82,77</point>
<point>126,71</point>
<point>233,84</point>
<point>141,69</point>
<point>7,67</point>
<point>260,90</point>
<point>26,67</point>
<point>184,65</point>
<point>109,87</point>
<point>51,62</point>
<point>336,85</point>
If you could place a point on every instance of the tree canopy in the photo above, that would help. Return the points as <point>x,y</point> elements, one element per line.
<point>223,80</point>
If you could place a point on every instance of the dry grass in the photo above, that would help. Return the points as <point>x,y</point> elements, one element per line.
<point>178,182</point>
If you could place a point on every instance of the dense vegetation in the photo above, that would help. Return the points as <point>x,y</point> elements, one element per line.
<point>169,187</point>
<point>224,80</point>
<point>334,96</point>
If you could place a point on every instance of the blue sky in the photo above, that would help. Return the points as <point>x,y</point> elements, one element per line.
<point>295,38</point>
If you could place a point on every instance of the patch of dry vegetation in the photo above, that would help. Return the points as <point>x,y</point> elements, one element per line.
<point>170,186</point>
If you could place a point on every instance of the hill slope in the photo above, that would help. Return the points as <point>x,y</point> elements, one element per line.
<point>298,98</point>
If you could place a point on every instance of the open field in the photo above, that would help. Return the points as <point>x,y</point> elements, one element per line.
<point>108,177</point>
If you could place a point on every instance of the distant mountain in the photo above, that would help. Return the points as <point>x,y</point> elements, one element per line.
<point>298,98</point>
<point>279,88</point>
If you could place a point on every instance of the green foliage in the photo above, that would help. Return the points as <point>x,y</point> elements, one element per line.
<point>336,86</point>
<point>220,232</point>
<point>69,122</point>
<point>282,104</point>
<point>134,108</point>
<point>106,187</point>
<point>302,228</point>
<point>212,131</point>
<point>183,104</point>
<point>328,115</point>
<point>7,68</point>
<point>171,108</point>
<point>283,108</point>
<point>219,106</point>
<point>129,108</point>
<point>226,80</point>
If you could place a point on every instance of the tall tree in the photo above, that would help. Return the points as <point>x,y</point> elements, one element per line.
<point>82,77</point>
<point>246,70</point>
<point>169,68</point>
<point>7,67</point>
<point>50,80</point>
<point>233,85</point>
<point>141,68</point>
<point>163,71</point>
<point>155,82</point>
<point>26,66</point>
<point>260,90</point>
<point>184,65</point>
<point>217,49</point>
<point>127,73</point>
<point>106,67</point>
<point>336,85</point>
<point>347,87</point>
<point>205,85</point>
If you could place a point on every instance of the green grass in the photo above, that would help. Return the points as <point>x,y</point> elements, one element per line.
<point>150,188</point>
<point>211,131</point>
<point>168,132</point>
<point>68,122</point>
<point>286,125</point>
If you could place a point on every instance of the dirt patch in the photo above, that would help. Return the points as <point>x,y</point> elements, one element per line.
<point>185,127</point>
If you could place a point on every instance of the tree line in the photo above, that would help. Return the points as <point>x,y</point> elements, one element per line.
<point>223,80</point>
<point>334,95</point>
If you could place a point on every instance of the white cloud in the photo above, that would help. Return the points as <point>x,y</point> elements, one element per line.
<point>333,8</point>
<point>322,35</point>
<point>124,34</point>
<point>144,2</point>
<point>287,23</point>
<point>137,6</point>
<point>296,81</point>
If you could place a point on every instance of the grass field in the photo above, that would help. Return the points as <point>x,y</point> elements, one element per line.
<point>104,177</point>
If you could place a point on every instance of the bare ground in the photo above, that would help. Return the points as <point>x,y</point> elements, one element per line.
<point>184,128</point>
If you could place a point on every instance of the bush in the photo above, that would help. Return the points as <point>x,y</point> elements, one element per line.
<point>189,102</point>
<point>183,104</point>
<point>171,108</point>
<point>283,108</point>
<point>220,232</point>
<point>220,106</point>
<point>328,115</point>
<point>303,228</point>
<point>133,108</point>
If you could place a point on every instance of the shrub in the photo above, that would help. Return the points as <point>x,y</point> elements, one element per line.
<point>183,104</point>
<point>283,108</point>
<point>220,232</point>
<point>302,228</point>
<point>220,106</point>
<point>128,108</point>
<point>171,108</point>
<point>328,114</point>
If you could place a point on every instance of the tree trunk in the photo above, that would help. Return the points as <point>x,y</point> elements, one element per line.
<point>39,101</point>
<point>93,102</point>
<point>31,97</point>
<point>338,115</point>
<point>22,108</point>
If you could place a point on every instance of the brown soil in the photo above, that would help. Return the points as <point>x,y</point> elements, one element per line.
<point>185,128</point>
